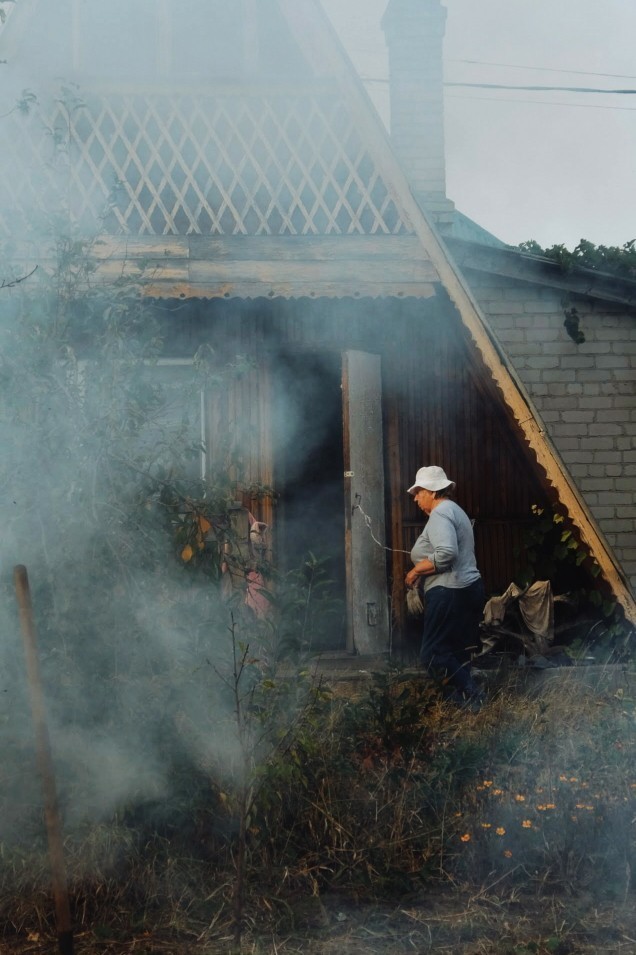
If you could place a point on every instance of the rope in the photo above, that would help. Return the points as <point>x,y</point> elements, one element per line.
<point>367,521</point>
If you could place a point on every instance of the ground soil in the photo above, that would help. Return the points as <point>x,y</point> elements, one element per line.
<point>449,922</point>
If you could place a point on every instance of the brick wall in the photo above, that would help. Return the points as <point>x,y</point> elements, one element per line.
<point>585,393</point>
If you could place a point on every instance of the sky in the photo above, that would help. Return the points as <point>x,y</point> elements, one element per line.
<point>551,166</point>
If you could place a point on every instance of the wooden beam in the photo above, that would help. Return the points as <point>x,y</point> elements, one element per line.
<point>217,267</point>
<point>154,287</point>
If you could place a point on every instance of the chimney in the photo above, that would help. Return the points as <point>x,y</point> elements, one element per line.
<point>414,31</point>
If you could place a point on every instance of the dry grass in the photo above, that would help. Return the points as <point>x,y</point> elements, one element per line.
<point>445,923</point>
<point>396,824</point>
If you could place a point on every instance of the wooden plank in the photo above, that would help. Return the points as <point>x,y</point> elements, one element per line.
<point>306,273</point>
<point>165,272</point>
<point>156,288</point>
<point>141,247</point>
<point>185,267</point>
<point>364,503</point>
<point>348,552</point>
<point>396,491</point>
<point>373,248</point>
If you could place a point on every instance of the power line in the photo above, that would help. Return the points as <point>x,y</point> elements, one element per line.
<point>507,86</point>
<point>543,102</point>
<point>546,69</point>
<point>542,89</point>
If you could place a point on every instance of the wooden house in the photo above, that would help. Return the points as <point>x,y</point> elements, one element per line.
<point>228,158</point>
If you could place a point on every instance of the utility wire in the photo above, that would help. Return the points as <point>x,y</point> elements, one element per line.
<point>546,69</point>
<point>507,86</point>
<point>543,102</point>
<point>535,89</point>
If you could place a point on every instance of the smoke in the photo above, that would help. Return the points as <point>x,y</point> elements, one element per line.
<point>100,463</point>
<point>100,459</point>
<point>104,401</point>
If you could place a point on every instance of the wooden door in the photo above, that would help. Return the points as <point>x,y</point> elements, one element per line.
<point>365,553</point>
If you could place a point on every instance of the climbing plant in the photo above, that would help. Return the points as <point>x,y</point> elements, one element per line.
<point>617,260</point>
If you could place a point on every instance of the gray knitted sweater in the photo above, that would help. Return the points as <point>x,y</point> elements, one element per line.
<point>447,541</point>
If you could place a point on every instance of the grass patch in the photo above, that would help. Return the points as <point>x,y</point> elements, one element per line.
<point>380,803</point>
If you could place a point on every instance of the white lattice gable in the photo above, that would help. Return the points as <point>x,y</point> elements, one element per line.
<point>152,165</point>
<point>221,164</point>
<point>251,158</point>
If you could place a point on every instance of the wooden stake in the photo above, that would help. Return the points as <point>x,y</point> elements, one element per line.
<point>45,764</point>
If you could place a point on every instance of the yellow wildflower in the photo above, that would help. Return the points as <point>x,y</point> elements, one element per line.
<point>465,837</point>
<point>573,779</point>
<point>520,798</point>
<point>486,825</point>
<point>497,792</point>
<point>507,853</point>
<point>487,783</point>
<point>500,831</point>
<point>527,824</point>
<point>563,778</point>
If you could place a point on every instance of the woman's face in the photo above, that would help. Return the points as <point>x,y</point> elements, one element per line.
<point>424,499</point>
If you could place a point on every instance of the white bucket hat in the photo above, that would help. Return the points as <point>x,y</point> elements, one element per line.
<point>431,478</point>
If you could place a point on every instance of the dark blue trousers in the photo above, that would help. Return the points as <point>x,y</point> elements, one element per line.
<point>451,632</point>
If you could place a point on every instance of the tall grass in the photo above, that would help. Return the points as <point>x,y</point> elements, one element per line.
<point>378,797</point>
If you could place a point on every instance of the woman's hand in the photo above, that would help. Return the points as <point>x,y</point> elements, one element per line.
<point>422,569</point>
<point>411,578</point>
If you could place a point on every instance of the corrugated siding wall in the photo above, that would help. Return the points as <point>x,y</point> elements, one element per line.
<point>438,409</point>
<point>444,411</point>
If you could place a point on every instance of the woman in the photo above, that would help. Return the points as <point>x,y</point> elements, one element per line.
<point>444,559</point>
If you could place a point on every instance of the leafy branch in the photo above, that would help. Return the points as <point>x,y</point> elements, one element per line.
<point>617,260</point>
<point>12,283</point>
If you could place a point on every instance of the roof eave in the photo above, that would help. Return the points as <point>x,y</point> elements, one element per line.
<point>523,266</point>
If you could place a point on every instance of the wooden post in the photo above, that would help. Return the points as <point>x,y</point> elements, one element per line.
<point>45,764</point>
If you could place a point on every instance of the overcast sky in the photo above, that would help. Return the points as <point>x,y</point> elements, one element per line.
<point>550,166</point>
